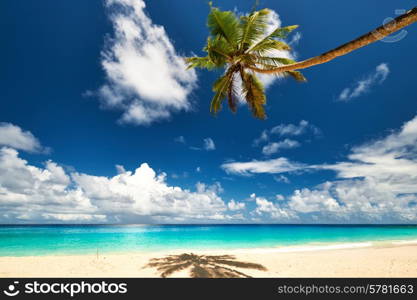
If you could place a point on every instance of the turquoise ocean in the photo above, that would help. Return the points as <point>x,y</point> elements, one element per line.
<point>29,240</point>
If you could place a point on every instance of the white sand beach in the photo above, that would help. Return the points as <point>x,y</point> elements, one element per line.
<point>375,261</point>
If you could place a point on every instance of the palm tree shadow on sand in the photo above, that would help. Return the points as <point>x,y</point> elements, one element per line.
<point>203,266</point>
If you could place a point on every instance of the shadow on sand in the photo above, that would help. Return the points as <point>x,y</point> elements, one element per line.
<point>203,266</point>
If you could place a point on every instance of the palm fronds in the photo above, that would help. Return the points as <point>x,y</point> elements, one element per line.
<point>203,266</point>
<point>296,75</point>
<point>232,94</point>
<point>224,24</point>
<point>253,27</point>
<point>254,93</point>
<point>247,46</point>
<point>266,61</point>
<point>221,88</point>
<point>269,46</point>
<point>241,46</point>
<point>200,62</point>
<point>282,32</point>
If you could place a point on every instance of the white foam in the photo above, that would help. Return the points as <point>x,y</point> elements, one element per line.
<point>308,248</point>
<point>407,242</point>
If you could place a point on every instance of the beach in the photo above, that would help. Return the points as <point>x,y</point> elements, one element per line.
<point>389,260</point>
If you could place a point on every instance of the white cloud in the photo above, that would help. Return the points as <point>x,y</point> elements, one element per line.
<point>391,160</point>
<point>354,201</point>
<point>293,130</point>
<point>272,148</point>
<point>282,178</point>
<point>295,39</point>
<point>13,136</point>
<point>235,205</point>
<point>278,165</point>
<point>377,184</point>
<point>306,201</point>
<point>273,166</point>
<point>274,23</point>
<point>363,86</point>
<point>146,78</point>
<point>304,127</point>
<point>209,144</point>
<point>252,197</point>
<point>145,193</point>
<point>215,188</point>
<point>273,211</point>
<point>31,193</point>
<point>180,139</point>
<point>120,169</point>
<point>49,194</point>
<point>381,176</point>
<point>279,197</point>
<point>74,218</point>
<point>264,137</point>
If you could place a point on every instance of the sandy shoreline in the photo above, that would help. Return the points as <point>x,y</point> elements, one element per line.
<point>375,261</point>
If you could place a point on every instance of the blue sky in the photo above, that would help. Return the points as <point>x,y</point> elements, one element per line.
<point>92,91</point>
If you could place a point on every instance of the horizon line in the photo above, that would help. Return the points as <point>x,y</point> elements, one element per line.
<point>208,224</point>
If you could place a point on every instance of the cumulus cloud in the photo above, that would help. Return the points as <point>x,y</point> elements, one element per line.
<point>145,193</point>
<point>306,201</point>
<point>273,211</point>
<point>274,22</point>
<point>391,160</point>
<point>146,77</point>
<point>272,148</point>
<point>354,201</point>
<point>376,184</point>
<point>30,193</point>
<point>380,179</point>
<point>13,136</point>
<point>235,205</point>
<point>209,144</point>
<point>279,197</point>
<point>364,85</point>
<point>49,194</point>
<point>273,166</point>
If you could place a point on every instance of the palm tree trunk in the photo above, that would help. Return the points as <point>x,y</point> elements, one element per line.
<point>379,33</point>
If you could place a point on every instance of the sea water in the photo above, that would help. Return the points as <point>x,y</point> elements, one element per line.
<point>33,240</point>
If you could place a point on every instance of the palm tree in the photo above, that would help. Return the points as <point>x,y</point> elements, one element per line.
<point>202,266</point>
<point>244,47</point>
